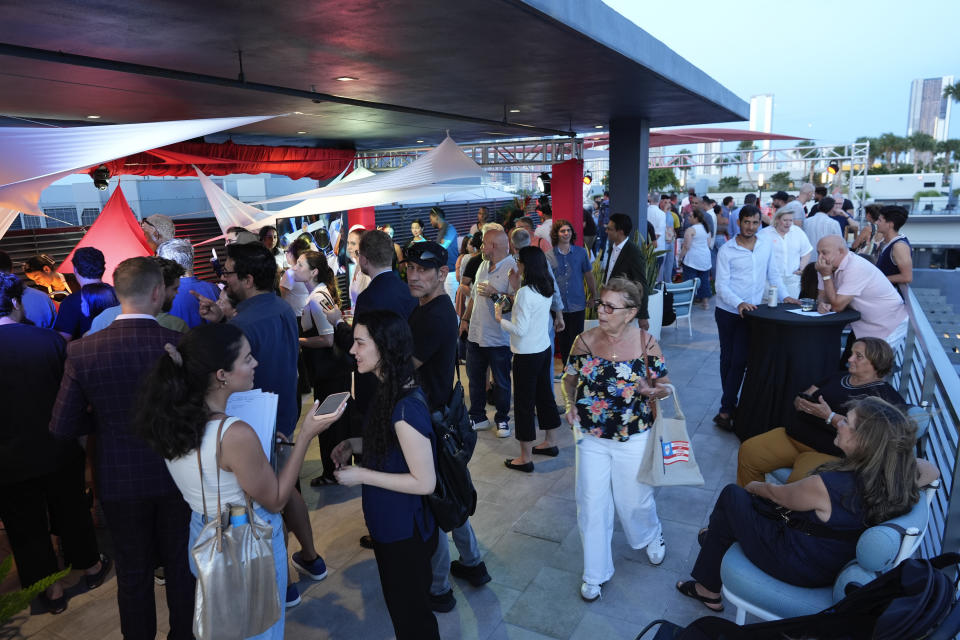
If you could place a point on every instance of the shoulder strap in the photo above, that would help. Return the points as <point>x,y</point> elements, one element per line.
<point>203,494</point>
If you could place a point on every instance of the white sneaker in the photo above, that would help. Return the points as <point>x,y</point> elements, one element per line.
<point>657,549</point>
<point>589,592</point>
<point>479,425</point>
<point>503,429</point>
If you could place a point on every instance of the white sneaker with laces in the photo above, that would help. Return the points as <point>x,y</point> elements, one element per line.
<point>503,429</point>
<point>657,549</point>
<point>479,425</point>
<point>590,592</point>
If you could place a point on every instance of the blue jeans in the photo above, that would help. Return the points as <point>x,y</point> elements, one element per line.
<point>734,334</point>
<point>497,359</point>
<point>703,292</point>
<point>666,272</point>
<point>466,542</point>
<point>275,520</point>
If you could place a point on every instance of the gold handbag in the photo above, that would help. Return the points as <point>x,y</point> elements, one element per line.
<point>237,595</point>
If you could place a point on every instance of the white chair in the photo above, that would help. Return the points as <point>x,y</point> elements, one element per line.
<point>683,300</point>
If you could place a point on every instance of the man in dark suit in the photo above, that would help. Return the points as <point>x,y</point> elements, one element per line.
<point>624,260</point>
<point>147,517</point>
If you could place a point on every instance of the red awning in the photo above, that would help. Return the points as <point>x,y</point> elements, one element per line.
<point>229,158</point>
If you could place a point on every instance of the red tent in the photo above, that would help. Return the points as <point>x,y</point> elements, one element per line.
<point>116,232</point>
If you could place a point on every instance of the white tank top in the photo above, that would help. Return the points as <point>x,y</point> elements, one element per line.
<point>186,474</point>
<point>698,256</point>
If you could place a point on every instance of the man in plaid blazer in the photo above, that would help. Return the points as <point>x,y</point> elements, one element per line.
<point>147,517</point>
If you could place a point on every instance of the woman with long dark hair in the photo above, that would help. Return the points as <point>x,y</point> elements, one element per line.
<point>327,373</point>
<point>397,471</point>
<point>532,366</point>
<point>182,409</point>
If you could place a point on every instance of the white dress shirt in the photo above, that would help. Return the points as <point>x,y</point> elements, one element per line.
<point>612,259</point>
<point>658,219</point>
<point>819,226</point>
<point>742,274</point>
<point>788,250</point>
<point>526,328</point>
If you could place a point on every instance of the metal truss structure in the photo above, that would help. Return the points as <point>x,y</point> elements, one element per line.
<point>500,156</point>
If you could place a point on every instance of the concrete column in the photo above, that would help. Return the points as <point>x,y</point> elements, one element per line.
<point>629,160</point>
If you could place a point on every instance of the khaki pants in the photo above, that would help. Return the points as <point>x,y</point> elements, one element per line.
<point>773,450</point>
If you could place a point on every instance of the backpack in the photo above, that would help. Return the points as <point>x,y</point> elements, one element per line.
<point>914,600</point>
<point>454,499</point>
<point>669,313</point>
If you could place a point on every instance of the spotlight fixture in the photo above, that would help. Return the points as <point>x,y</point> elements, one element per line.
<point>101,176</point>
<point>345,79</point>
<point>543,183</point>
<point>834,168</point>
<point>587,178</point>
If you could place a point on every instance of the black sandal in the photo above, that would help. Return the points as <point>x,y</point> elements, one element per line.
<point>689,589</point>
<point>320,481</point>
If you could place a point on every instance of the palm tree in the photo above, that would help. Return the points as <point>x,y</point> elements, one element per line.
<point>887,144</point>
<point>805,154</point>
<point>921,144</point>
<point>952,91</point>
<point>747,145</point>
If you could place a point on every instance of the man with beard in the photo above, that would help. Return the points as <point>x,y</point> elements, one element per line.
<point>171,285</point>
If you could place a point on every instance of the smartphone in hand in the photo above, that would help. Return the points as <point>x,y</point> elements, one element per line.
<point>331,403</point>
<point>811,397</point>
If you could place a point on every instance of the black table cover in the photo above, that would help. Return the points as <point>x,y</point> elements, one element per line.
<point>788,353</point>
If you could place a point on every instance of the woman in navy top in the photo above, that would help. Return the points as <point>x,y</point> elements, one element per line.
<point>398,469</point>
<point>876,481</point>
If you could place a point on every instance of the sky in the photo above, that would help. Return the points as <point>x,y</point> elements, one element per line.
<point>838,70</point>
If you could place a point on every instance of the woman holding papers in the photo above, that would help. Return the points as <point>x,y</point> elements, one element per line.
<point>182,411</point>
<point>398,450</point>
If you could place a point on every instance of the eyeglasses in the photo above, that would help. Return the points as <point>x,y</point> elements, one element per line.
<point>609,308</point>
<point>228,273</point>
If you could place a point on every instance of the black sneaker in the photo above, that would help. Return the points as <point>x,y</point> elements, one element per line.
<point>444,602</point>
<point>476,575</point>
<point>366,542</point>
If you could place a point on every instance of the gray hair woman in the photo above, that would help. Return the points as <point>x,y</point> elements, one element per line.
<point>613,373</point>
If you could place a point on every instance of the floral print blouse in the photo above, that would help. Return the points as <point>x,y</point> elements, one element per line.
<point>609,402</point>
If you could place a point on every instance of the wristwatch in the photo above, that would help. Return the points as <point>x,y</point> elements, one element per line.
<point>825,278</point>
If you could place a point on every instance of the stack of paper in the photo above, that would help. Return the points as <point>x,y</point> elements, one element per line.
<point>258,409</point>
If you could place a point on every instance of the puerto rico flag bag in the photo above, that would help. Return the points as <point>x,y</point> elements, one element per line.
<point>668,459</point>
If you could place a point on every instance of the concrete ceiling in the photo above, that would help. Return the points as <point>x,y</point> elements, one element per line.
<point>565,64</point>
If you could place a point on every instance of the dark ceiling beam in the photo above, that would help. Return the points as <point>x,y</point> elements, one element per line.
<point>60,57</point>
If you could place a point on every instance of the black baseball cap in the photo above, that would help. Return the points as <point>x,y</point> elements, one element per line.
<point>427,254</point>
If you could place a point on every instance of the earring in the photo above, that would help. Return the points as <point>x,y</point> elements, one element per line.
<point>223,383</point>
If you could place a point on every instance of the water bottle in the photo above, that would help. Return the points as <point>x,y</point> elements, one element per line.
<point>238,516</point>
<point>772,296</point>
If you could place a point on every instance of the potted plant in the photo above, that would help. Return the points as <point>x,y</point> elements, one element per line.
<point>651,274</point>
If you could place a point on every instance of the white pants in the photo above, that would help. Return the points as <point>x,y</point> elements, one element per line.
<point>897,336</point>
<point>607,479</point>
<point>450,286</point>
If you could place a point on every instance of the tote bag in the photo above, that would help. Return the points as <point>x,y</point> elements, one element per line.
<point>237,595</point>
<point>668,459</point>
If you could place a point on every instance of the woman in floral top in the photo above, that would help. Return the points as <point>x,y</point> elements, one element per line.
<point>613,373</point>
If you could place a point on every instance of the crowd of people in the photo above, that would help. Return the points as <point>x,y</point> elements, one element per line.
<point>131,381</point>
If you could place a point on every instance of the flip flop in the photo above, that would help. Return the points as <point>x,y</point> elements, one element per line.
<point>689,589</point>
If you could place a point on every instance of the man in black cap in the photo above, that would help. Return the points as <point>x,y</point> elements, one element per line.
<point>433,324</point>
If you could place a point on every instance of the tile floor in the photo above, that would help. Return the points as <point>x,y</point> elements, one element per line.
<point>526,525</point>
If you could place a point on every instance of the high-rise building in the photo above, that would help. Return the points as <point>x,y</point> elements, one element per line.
<point>929,110</point>
<point>761,116</point>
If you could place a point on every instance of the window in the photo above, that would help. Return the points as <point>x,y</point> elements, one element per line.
<point>31,222</point>
<point>17,223</point>
<point>61,217</point>
<point>87,216</point>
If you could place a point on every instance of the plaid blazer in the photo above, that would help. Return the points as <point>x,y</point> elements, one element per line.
<point>103,371</point>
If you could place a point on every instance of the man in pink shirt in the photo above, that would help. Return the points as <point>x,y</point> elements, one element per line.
<point>846,279</point>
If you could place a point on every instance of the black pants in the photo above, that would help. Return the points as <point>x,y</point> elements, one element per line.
<point>734,334</point>
<point>145,531</point>
<point>405,577</point>
<point>533,389</point>
<point>573,326</point>
<point>24,509</point>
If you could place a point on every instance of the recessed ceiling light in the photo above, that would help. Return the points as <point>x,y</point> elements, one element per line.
<point>93,117</point>
<point>345,78</point>
<point>598,126</point>
<point>298,113</point>
<point>419,141</point>
<point>514,110</point>
<point>301,132</point>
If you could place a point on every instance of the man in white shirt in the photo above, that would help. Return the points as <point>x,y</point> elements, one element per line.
<point>744,266</point>
<point>488,345</point>
<point>657,218</point>
<point>821,225</point>
<point>805,195</point>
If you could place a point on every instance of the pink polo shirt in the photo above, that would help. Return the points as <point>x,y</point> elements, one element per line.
<point>880,306</point>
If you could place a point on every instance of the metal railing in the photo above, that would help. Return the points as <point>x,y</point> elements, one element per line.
<point>927,375</point>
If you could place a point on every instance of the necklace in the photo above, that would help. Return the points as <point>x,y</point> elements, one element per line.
<point>613,345</point>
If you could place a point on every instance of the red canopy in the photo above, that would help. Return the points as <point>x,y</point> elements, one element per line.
<point>229,158</point>
<point>694,135</point>
<point>116,233</point>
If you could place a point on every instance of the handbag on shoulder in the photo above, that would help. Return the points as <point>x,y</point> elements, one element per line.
<point>237,595</point>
